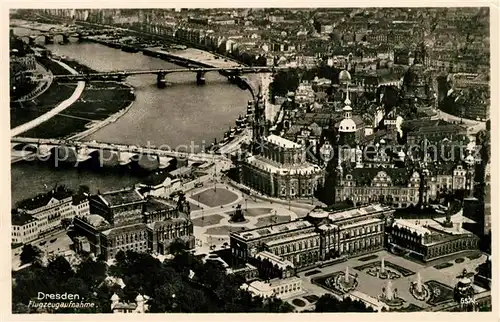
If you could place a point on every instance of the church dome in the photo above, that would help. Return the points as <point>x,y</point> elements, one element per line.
<point>347,125</point>
<point>115,297</point>
<point>344,77</point>
<point>139,298</point>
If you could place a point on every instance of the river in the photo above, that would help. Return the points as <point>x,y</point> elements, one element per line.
<point>181,114</point>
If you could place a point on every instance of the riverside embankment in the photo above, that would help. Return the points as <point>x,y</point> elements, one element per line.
<point>56,110</point>
<point>181,114</point>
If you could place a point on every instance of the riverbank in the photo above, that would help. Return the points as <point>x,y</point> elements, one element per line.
<point>111,119</point>
<point>99,102</point>
<point>53,112</point>
<point>86,114</point>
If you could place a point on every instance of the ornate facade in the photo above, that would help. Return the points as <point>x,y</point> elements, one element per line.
<point>35,217</point>
<point>429,243</point>
<point>321,236</point>
<point>124,220</point>
<point>280,170</point>
<point>399,187</point>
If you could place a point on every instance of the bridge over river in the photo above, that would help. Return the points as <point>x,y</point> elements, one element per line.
<point>161,73</point>
<point>32,148</point>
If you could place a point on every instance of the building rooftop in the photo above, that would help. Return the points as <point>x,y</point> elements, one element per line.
<point>96,221</point>
<point>80,198</point>
<point>290,239</point>
<point>419,230</point>
<point>257,233</point>
<point>57,194</point>
<point>364,176</point>
<point>303,168</point>
<point>181,171</point>
<point>123,229</point>
<point>20,219</point>
<point>121,197</point>
<point>278,140</point>
<point>274,259</point>
<point>153,205</point>
<point>356,212</point>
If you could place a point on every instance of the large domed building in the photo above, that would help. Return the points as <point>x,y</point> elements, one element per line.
<point>344,77</point>
<point>417,79</point>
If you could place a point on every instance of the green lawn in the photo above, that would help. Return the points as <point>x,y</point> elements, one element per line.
<point>254,212</point>
<point>220,230</point>
<point>98,102</point>
<point>207,220</point>
<point>214,198</point>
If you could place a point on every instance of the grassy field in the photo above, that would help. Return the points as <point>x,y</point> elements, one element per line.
<point>213,198</point>
<point>98,102</point>
<point>25,112</point>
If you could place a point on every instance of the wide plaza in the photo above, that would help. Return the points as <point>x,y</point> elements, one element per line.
<point>213,205</point>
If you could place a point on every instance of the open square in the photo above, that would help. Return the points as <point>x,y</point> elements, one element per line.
<point>207,220</point>
<point>255,212</point>
<point>215,197</point>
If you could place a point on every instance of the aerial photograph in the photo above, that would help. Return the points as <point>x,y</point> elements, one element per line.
<point>250,160</point>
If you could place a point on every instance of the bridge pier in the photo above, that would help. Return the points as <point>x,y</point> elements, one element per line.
<point>161,80</point>
<point>200,78</point>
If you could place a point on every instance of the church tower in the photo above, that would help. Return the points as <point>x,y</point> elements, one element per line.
<point>347,127</point>
<point>259,130</point>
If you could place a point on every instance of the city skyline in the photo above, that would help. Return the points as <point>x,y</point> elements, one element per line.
<point>251,160</point>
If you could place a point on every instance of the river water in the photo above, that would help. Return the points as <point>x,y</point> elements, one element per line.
<point>181,114</point>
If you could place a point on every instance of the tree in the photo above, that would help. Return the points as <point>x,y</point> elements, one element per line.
<point>30,254</point>
<point>92,272</point>
<point>178,246</point>
<point>60,268</point>
<point>83,189</point>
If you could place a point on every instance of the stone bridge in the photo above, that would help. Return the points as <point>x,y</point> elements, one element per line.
<point>44,148</point>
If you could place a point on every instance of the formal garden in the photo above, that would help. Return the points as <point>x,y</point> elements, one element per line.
<point>384,270</point>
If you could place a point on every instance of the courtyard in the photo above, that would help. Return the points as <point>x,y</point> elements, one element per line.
<point>440,283</point>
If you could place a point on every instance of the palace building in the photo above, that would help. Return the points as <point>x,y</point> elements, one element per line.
<point>279,250</point>
<point>35,217</point>
<point>396,186</point>
<point>124,220</point>
<point>428,243</point>
<point>278,167</point>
